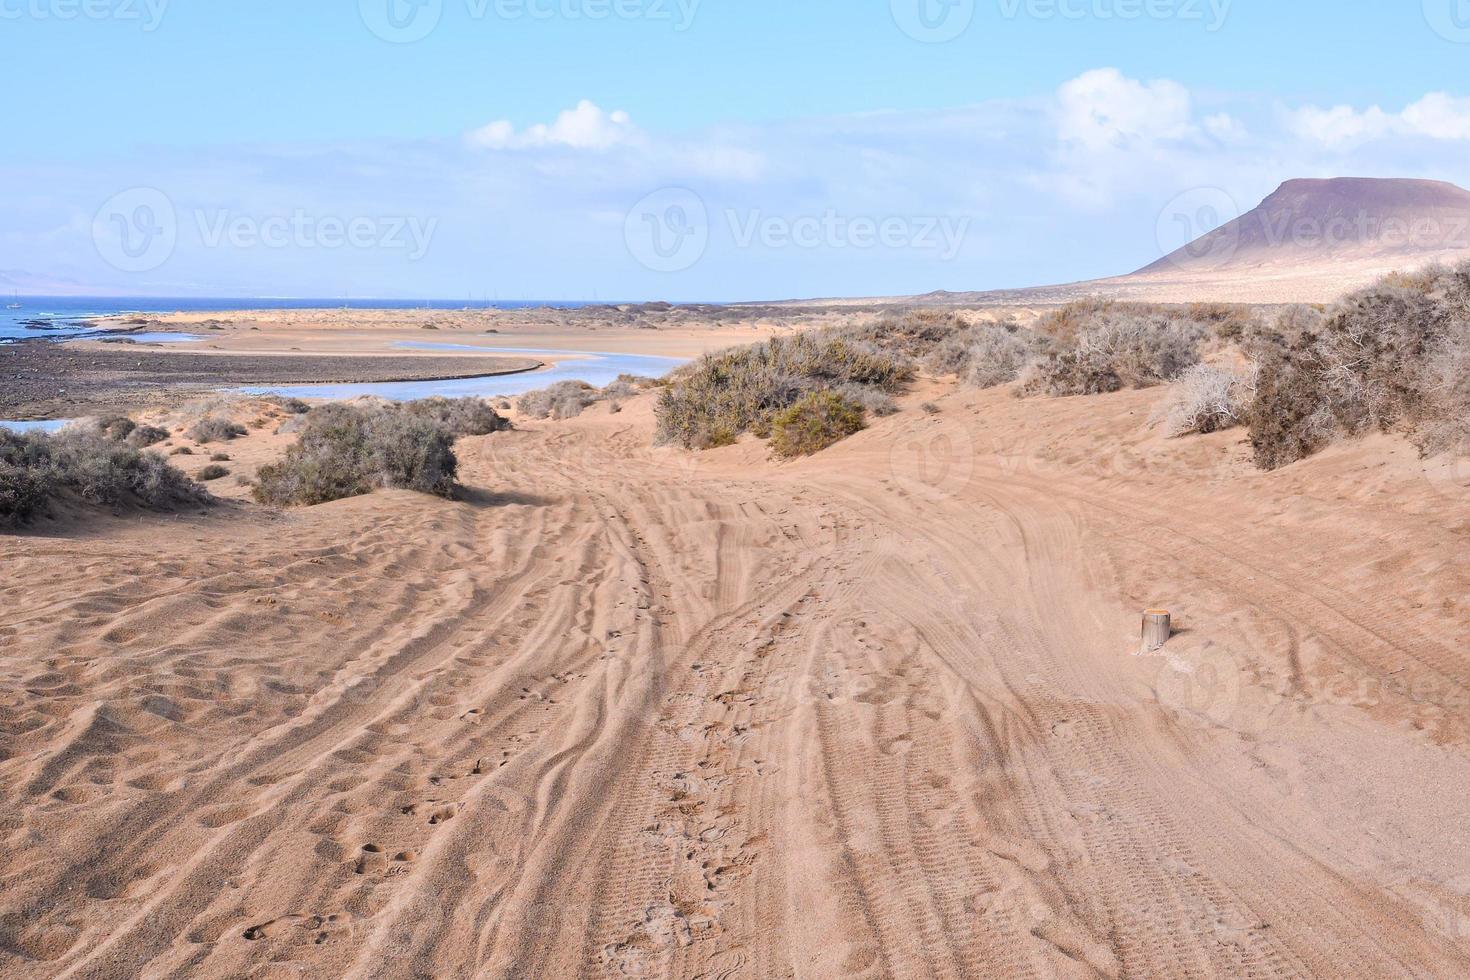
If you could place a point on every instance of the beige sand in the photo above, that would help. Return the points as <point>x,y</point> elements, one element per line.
<point>632,712</point>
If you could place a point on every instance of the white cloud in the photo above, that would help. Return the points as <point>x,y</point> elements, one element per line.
<point>1103,108</point>
<point>1437,116</point>
<point>587,127</point>
<point>1225,128</point>
<point>1440,116</point>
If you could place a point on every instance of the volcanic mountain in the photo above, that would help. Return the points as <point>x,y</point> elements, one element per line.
<point>1309,242</point>
<point>1342,228</point>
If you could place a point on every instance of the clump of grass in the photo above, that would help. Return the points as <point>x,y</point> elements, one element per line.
<point>1393,357</point>
<point>817,420</point>
<point>349,450</point>
<point>211,473</point>
<point>88,465</point>
<point>212,428</point>
<point>219,457</point>
<point>929,408</point>
<point>715,399</point>
<point>1116,350</point>
<point>459,416</point>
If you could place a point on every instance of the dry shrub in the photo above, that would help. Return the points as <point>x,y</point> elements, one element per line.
<point>1208,399</point>
<point>212,428</point>
<point>81,463</point>
<point>349,450</point>
<point>1389,358</point>
<point>1117,351</point>
<point>459,416</point>
<point>212,472</point>
<point>563,400</point>
<point>818,419</point>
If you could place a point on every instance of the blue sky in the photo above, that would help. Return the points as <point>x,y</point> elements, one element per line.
<point>559,149</point>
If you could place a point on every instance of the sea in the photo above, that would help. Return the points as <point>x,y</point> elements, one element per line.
<point>67,318</point>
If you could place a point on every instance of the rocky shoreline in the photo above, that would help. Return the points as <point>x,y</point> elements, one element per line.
<point>42,379</point>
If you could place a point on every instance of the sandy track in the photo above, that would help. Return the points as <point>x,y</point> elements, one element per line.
<point>878,714</point>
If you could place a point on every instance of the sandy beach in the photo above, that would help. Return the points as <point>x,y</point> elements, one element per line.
<point>635,711</point>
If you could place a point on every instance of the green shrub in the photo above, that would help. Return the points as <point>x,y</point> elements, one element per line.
<point>817,420</point>
<point>721,395</point>
<point>345,451</point>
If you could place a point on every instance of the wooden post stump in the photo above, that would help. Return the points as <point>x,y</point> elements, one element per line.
<point>1158,626</point>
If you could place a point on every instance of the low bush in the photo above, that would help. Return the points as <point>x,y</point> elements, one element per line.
<point>1116,351</point>
<point>563,400</point>
<point>214,429</point>
<point>817,420</point>
<point>996,356</point>
<point>460,416</point>
<point>88,465</point>
<point>146,435</point>
<point>723,394</point>
<point>345,451</point>
<point>1389,358</point>
<point>212,472</point>
<point>1208,399</point>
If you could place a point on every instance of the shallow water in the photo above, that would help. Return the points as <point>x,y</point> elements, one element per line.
<point>594,367</point>
<point>49,425</point>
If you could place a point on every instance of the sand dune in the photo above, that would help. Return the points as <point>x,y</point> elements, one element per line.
<point>632,712</point>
